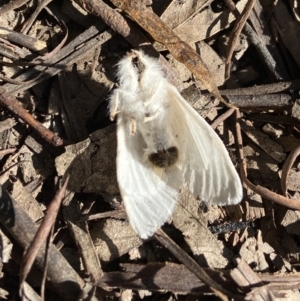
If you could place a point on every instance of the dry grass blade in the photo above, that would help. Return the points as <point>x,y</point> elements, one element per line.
<point>41,235</point>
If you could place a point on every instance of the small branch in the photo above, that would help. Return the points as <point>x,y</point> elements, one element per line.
<point>10,103</point>
<point>235,33</point>
<point>286,168</point>
<point>23,40</point>
<point>62,277</point>
<point>257,42</point>
<point>41,236</point>
<point>222,118</point>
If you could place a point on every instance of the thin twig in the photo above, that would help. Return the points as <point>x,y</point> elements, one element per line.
<point>286,168</point>
<point>221,118</point>
<point>72,52</point>
<point>11,104</point>
<point>29,22</point>
<point>235,33</point>
<point>61,276</point>
<point>24,40</point>
<point>258,43</point>
<point>41,235</point>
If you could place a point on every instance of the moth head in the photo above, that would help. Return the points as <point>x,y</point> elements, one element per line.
<point>136,67</point>
<point>137,61</point>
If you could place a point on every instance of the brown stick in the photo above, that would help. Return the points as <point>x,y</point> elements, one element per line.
<point>41,236</point>
<point>286,168</point>
<point>222,118</point>
<point>61,275</point>
<point>235,33</point>
<point>9,102</point>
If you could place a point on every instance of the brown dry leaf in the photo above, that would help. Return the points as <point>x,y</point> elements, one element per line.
<point>64,161</point>
<point>205,24</point>
<point>214,63</point>
<point>113,238</point>
<point>180,11</point>
<point>263,141</point>
<point>104,176</point>
<point>201,103</point>
<point>212,60</point>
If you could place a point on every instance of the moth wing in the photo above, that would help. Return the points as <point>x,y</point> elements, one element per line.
<point>149,197</point>
<point>207,168</point>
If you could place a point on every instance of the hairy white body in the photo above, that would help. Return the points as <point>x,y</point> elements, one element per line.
<point>164,144</point>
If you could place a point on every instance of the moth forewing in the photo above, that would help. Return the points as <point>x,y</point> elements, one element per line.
<point>163,144</point>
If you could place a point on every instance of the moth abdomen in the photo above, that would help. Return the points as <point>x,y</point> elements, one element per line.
<point>165,157</point>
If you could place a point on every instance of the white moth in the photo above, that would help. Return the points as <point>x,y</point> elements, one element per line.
<point>164,144</point>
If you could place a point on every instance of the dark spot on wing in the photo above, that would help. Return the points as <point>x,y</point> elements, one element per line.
<point>164,158</point>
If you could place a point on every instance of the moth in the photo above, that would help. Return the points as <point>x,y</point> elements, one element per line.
<point>163,144</point>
